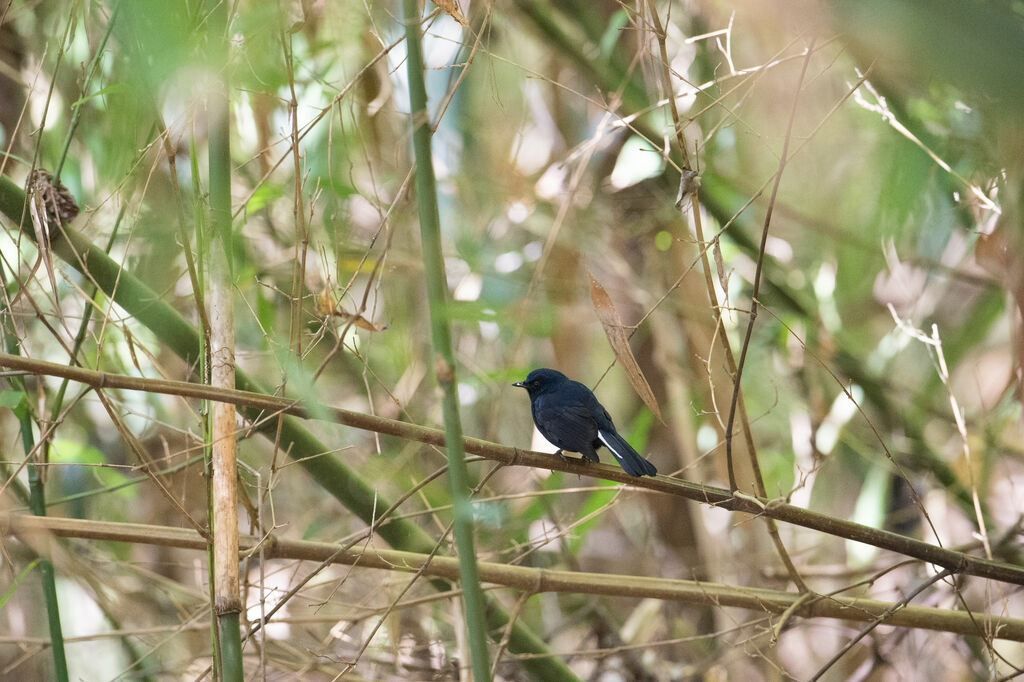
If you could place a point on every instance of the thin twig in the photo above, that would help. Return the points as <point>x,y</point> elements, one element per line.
<point>879,620</point>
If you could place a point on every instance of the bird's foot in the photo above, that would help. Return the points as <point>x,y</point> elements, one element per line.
<point>578,460</point>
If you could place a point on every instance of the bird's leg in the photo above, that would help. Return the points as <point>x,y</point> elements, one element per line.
<point>578,460</point>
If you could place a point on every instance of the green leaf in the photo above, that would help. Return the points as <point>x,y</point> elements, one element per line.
<point>870,511</point>
<point>14,401</point>
<point>113,89</point>
<point>611,34</point>
<point>76,452</point>
<point>300,383</point>
<point>263,195</point>
<point>17,581</point>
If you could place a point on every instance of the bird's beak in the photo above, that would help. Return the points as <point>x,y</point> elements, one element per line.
<point>520,384</point>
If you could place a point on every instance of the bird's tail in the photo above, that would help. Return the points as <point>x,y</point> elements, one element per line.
<point>628,458</point>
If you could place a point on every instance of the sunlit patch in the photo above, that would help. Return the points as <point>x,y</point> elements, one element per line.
<point>533,251</point>
<point>531,150</point>
<point>489,330</point>
<point>510,261</point>
<point>275,585</point>
<point>552,181</point>
<point>841,412</point>
<point>441,42</point>
<point>637,161</point>
<point>517,212</point>
<point>469,288</point>
<point>467,394</point>
<point>544,535</point>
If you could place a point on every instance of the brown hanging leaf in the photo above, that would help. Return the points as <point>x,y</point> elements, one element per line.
<point>616,333</point>
<point>49,205</point>
<point>326,307</point>
<point>451,8</point>
<point>723,278</point>
<point>325,304</point>
<point>360,321</point>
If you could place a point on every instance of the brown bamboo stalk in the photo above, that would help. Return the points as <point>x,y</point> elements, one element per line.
<point>777,509</point>
<point>538,580</point>
<point>227,603</point>
<point>222,434</point>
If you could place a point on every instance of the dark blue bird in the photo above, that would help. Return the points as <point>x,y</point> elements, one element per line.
<point>567,414</point>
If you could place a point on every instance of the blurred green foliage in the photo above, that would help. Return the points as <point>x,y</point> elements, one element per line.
<point>555,99</point>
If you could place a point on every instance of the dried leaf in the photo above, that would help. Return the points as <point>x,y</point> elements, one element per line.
<point>360,321</point>
<point>49,205</point>
<point>41,226</point>
<point>326,307</point>
<point>723,278</point>
<point>613,329</point>
<point>452,9</point>
<point>993,251</point>
<point>57,198</point>
<point>325,304</point>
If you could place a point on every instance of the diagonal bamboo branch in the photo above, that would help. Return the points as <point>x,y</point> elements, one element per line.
<point>776,509</point>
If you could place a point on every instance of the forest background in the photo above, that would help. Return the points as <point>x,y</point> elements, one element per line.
<point>817,203</point>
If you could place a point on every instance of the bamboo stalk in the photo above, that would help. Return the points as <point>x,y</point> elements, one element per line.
<point>339,480</point>
<point>539,580</point>
<point>776,509</point>
<point>227,603</point>
<point>36,453</point>
<point>444,364</point>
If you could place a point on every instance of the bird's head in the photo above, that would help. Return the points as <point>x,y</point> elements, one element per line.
<point>540,380</point>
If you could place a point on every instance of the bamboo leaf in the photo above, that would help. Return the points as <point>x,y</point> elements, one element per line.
<point>619,340</point>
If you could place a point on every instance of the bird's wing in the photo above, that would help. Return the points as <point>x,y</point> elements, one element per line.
<point>568,426</point>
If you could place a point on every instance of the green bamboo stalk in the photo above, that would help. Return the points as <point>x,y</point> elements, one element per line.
<point>37,504</point>
<point>151,310</point>
<point>444,365</point>
<point>58,405</point>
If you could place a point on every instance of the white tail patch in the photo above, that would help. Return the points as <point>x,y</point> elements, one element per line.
<point>607,444</point>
